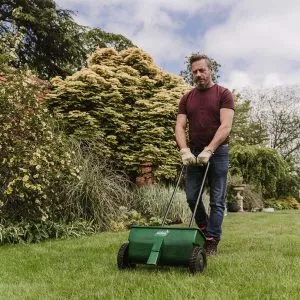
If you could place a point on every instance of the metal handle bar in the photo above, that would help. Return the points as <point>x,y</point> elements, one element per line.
<point>175,190</point>
<point>172,197</point>
<point>199,196</point>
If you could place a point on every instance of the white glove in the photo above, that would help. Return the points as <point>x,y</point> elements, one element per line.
<point>204,156</point>
<point>188,158</point>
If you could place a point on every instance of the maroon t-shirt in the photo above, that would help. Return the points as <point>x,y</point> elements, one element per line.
<point>202,108</point>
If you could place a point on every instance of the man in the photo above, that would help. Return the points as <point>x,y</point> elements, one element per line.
<point>209,110</point>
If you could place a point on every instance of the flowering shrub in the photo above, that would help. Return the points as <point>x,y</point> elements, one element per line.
<point>33,160</point>
<point>283,203</point>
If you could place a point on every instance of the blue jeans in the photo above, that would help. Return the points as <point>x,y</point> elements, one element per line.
<point>217,180</point>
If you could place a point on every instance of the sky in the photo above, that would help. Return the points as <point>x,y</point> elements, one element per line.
<point>257,42</point>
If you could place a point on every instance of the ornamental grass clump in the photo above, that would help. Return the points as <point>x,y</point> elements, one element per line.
<point>153,202</point>
<point>125,103</point>
<point>100,191</point>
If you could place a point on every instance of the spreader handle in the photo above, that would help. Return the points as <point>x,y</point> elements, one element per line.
<point>172,197</point>
<point>199,196</point>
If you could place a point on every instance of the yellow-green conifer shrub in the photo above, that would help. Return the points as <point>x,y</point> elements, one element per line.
<point>33,160</point>
<point>128,104</point>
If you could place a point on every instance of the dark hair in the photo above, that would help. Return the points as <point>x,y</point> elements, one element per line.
<point>196,57</point>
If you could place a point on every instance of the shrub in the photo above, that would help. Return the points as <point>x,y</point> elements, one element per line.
<point>126,102</point>
<point>33,160</point>
<point>262,166</point>
<point>282,203</point>
<point>292,202</point>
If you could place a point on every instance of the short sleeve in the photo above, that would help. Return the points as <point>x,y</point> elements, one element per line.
<point>182,105</point>
<point>227,100</point>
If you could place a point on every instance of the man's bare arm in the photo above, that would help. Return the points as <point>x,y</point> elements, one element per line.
<point>187,156</point>
<point>180,129</point>
<point>226,118</point>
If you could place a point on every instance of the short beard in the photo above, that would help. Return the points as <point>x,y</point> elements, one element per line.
<point>201,86</point>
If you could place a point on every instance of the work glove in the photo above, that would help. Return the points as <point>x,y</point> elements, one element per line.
<point>188,158</point>
<point>204,156</point>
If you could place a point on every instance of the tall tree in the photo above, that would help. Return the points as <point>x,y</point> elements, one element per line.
<point>52,44</point>
<point>187,72</point>
<point>9,43</point>
<point>95,37</point>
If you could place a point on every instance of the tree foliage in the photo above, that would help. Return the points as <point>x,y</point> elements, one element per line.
<point>9,45</point>
<point>96,38</point>
<point>277,109</point>
<point>52,41</point>
<point>283,125</point>
<point>128,104</point>
<point>187,72</point>
<point>53,44</point>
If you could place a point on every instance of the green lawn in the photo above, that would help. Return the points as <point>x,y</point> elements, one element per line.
<point>259,258</point>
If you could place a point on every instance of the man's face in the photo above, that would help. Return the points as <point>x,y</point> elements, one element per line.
<point>201,74</point>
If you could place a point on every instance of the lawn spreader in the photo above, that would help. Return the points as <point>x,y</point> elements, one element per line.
<point>166,245</point>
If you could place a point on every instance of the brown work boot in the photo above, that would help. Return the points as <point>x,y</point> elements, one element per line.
<point>210,246</point>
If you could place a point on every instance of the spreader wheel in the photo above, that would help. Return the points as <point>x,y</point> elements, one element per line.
<point>198,261</point>
<point>122,259</point>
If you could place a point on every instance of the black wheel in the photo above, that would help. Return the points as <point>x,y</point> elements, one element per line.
<point>122,259</point>
<point>198,260</point>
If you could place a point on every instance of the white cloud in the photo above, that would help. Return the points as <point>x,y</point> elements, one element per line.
<point>258,44</point>
<point>149,24</point>
<point>264,34</point>
<point>237,79</point>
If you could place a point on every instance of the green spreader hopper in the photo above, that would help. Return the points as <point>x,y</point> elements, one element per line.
<point>164,245</point>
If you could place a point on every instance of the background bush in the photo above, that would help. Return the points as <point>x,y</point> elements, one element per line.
<point>282,203</point>
<point>108,197</point>
<point>34,161</point>
<point>263,167</point>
